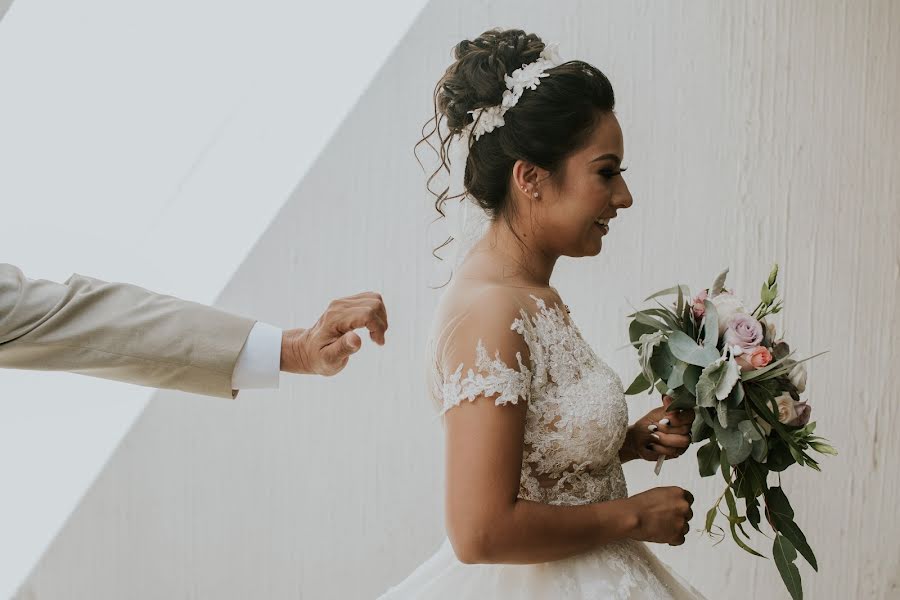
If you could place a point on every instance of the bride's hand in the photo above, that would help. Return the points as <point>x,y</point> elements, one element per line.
<point>659,433</point>
<point>662,515</point>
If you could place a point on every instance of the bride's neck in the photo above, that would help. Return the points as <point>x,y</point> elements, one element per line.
<point>522,262</point>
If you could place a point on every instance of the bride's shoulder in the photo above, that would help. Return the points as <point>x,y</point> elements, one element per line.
<point>490,301</point>
<point>472,310</point>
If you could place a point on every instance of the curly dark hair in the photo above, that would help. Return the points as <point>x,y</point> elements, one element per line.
<point>544,127</point>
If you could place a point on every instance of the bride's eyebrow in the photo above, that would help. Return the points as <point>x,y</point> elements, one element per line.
<point>614,157</point>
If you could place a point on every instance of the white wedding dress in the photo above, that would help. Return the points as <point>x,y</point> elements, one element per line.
<point>575,425</point>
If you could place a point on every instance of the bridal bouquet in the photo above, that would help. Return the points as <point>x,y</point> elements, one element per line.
<point>712,355</point>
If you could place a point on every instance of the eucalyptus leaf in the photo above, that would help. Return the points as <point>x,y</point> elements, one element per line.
<point>648,342</point>
<point>737,447</point>
<point>722,413</point>
<point>759,449</point>
<point>732,506</point>
<point>637,386</point>
<point>736,397</point>
<point>749,431</point>
<point>706,417</point>
<point>790,530</point>
<point>687,320</point>
<point>708,459</point>
<point>669,291</point>
<point>741,542</point>
<point>662,361</point>
<point>690,377</point>
<point>710,325</point>
<point>710,519</point>
<point>706,385</point>
<point>686,349</point>
<point>676,376</point>
<point>782,515</point>
<point>679,303</point>
<point>700,430</point>
<point>670,318</point>
<point>645,319</point>
<point>727,379</point>
<point>751,480</point>
<point>778,458</point>
<point>718,284</point>
<point>778,504</point>
<point>636,329</point>
<point>681,399</point>
<point>716,382</point>
<point>752,505</point>
<point>823,448</point>
<point>785,554</point>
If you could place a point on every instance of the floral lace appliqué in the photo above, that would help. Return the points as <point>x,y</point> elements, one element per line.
<point>577,416</point>
<point>490,377</point>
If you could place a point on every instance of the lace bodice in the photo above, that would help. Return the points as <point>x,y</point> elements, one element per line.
<point>576,416</point>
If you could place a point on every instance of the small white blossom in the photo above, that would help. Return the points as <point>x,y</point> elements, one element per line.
<point>528,77</point>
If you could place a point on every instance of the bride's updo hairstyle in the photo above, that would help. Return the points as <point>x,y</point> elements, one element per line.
<point>546,125</point>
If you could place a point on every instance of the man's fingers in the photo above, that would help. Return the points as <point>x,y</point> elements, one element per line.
<point>339,352</point>
<point>375,302</point>
<point>361,314</point>
<point>350,343</point>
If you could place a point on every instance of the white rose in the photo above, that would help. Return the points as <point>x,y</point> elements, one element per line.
<point>786,409</point>
<point>797,375</point>
<point>727,305</point>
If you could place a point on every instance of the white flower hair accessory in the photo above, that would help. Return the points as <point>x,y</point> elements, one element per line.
<point>526,78</point>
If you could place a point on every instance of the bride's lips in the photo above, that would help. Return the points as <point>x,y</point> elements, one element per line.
<point>603,225</point>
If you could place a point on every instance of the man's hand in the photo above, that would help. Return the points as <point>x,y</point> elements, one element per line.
<point>325,348</point>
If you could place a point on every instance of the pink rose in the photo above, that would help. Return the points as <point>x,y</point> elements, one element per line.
<point>697,305</point>
<point>743,332</point>
<point>757,358</point>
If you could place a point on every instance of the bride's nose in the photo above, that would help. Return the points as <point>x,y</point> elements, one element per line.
<point>622,197</point>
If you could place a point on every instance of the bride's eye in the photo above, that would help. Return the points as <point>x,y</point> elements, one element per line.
<point>610,173</point>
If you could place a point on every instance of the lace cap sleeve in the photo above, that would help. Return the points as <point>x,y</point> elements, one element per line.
<point>481,353</point>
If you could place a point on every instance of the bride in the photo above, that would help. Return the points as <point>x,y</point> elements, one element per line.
<point>536,423</point>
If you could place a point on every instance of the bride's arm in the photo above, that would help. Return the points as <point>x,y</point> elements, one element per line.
<point>486,520</point>
<point>488,523</point>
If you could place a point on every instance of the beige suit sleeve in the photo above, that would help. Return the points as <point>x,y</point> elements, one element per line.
<point>117,331</point>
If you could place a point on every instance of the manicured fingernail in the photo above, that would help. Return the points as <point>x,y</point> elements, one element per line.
<point>652,427</point>
<point>664,422</point>
<point>654,436</point>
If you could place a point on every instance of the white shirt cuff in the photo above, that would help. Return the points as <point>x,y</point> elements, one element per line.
<point>259,363</point>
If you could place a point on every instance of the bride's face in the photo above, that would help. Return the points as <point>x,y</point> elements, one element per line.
<point>585,192</point>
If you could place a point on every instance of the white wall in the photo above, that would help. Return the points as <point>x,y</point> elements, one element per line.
<point>152,143</point>
<point>755,132</point>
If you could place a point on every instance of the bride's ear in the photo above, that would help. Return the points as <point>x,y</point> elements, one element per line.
<point>527,178</point>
